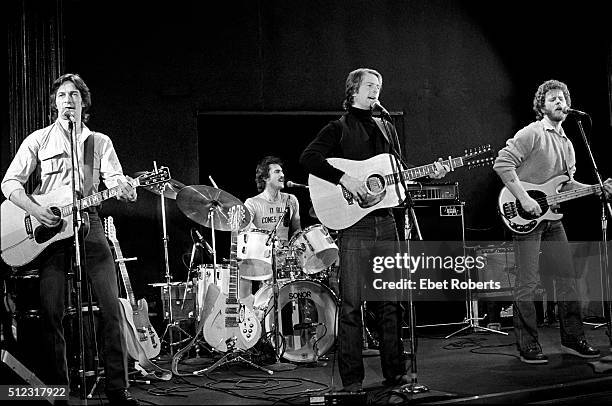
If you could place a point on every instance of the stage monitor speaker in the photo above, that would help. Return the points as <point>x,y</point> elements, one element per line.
<point>441,222</point>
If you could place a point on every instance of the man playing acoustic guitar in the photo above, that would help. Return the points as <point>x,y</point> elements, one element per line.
<point>49,148</point>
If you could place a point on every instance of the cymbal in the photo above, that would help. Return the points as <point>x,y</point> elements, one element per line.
<point>170,191</point>
<point>196,201</point>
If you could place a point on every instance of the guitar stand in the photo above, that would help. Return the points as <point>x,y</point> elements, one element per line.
<point>233,356</point>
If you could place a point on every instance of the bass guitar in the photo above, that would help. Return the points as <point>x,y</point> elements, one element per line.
<point>230,324</point>
<point>546,194</point>
<point>337,208</point>
<point>136,313</point>
<point>23,237</point>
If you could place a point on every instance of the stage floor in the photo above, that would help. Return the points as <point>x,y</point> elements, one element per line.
<point>474,368</point>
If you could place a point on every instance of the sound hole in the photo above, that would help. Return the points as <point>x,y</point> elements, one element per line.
<point>43,234</point>
<point>538,196</point>
<point>376,184</point>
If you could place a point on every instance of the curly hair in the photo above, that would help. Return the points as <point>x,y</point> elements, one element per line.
<point>79,83</point>
<point>262,172</point>
<point>540,95</point>
<point>353,81</point>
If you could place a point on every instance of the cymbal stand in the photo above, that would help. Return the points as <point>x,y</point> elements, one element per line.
<point>278,365</point>
<point>171,323</point>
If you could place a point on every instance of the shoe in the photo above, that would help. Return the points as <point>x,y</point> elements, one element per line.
<point>352,388</point>
<point>121,397</point>
<point>533,355</point>
<point>581,349</point>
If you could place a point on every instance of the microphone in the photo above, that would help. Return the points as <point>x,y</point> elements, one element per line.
<point>303,326</point>
<point>569,111</point>
<point>69,115</point>
<point>293,184</point>
<point>376,106</point>
<point>202,242</point>
<point>286,215</point>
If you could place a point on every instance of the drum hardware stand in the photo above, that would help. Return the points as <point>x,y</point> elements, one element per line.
<point>172,324</point>
<point>278,365</point>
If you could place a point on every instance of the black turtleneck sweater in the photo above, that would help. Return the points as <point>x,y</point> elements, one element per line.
<point>355,136</point>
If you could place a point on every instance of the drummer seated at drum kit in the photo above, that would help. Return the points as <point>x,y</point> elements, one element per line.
<point>266,208</point>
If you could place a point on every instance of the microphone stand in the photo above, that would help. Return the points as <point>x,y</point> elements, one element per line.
<point>413,387</point>
<point>78,271</point>
<point>278,365</point>
<point>606,211</point>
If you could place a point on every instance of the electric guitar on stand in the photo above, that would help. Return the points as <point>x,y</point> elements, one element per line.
<point>336,207</point>
<point>136,313</point>
<point>230,324</point>
<point>23,238</point>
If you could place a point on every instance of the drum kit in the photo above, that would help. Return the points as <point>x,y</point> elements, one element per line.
<point>304,325</point>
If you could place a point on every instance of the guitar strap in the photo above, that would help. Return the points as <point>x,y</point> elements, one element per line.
<point>88,165</point>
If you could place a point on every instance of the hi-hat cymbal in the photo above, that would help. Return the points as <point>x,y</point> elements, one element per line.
<point>171,187</point>
<point>197,201</point>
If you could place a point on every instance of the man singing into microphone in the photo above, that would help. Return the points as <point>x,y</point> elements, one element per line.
<point>357,135</point>
<point>49,150</point>
<point>266,210</point>
<point>536,154</point>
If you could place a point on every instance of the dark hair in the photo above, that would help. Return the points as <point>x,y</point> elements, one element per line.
<point>262,172</point>
<point>353,81</point>
<point>540,95</point>
<point>79,83</point>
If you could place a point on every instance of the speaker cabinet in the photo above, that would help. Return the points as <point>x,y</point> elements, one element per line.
<point>442,228</point>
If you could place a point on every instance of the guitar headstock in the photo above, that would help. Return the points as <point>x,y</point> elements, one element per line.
<point>482,155</point>
<point>162,174</point>
<point>236,217</point>
<point>109,229</point>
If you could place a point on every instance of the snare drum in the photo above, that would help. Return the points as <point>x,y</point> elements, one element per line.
<point>307,318</point>
<point>317,249</point>
<point>255,255</point>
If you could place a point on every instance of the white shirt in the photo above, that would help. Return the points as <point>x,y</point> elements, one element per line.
<point>51,146</point>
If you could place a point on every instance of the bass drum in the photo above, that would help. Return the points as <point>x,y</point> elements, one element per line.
<point>307,319</point>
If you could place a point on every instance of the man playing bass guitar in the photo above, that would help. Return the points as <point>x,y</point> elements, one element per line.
<point>537,153</point>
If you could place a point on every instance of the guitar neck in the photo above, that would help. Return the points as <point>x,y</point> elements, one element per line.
<point>124,274</point>
<point>420,171</point>
<point>572,194</point>
<point>233,270</point>
<point>96,198</point>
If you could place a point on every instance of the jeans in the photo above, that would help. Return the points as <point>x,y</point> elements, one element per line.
<point>388,314</point>
<point>100,269</point>
<point>548,238</point>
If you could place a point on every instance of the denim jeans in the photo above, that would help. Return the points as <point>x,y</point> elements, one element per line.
<point>388,314</point>
<point>548,238</point>
<point>100,268</point>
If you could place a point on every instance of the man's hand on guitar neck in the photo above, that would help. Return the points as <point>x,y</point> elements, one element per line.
<point>355,186</point>
<point>608,187</point>
<point>127,192</point>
